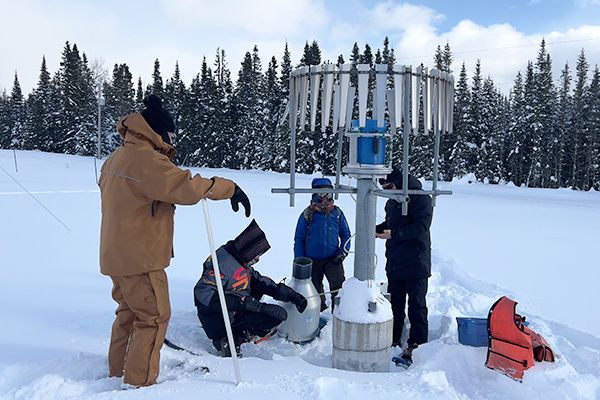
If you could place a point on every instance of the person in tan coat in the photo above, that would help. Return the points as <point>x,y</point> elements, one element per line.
<point>139,186</point>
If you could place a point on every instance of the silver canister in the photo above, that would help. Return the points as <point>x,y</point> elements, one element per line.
<point>301,327</point>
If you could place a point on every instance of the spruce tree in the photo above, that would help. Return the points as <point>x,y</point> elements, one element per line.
<point>120,101</point>
<point>579,135</point>
<point>473,132</point>
<point>447,59</point>
<point>157,86</point>
<point>272,116</point>
<point>226,127</point>
<point>17,116</point>
<point>592,164</point>
<point>86,137</point>
<point>489,167</point>
<point>282,135</point>
<point>543,131</point>
<point>565,115</point>
<point>249,112</point>
<point>174,95</point>
<point>40,108</point>
<point>5,135</point>
<point>139,96</point>
<point>456,163</point>
<point>438,58</point>
<point>514,149</point>
<point>528,143</point>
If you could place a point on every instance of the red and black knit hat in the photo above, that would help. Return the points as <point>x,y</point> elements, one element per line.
<point>252,242</point>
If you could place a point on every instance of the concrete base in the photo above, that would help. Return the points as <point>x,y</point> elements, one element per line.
<point>363,347</point>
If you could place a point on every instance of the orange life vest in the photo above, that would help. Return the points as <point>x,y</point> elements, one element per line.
<point>513,346</point>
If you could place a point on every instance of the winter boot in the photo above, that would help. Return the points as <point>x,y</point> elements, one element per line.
<point>405,360</point>
<point>222,346</point>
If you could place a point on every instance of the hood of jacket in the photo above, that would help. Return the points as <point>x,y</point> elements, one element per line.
<point>134,128</point>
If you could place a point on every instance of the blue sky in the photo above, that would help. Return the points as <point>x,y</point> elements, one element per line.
<point>504,35</point>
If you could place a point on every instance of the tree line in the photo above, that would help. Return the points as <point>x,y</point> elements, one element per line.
<point>541,134</point>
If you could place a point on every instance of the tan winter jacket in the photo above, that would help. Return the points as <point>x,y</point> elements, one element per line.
<point>139,185</point>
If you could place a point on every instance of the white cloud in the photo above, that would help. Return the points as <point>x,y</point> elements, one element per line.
<point>260,17</point>
<point>191,29</point>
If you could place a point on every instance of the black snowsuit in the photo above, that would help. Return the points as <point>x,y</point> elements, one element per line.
<point>239,281</point>
<point>408,255</point>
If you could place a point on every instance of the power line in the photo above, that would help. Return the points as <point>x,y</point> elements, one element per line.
<point>507,47</point>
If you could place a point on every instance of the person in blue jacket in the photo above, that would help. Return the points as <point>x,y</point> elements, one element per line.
<point>323,235</point>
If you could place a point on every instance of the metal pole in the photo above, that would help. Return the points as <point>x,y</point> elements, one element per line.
<point>407,128</point>
<point>215,262</point>
<point>15,157</point>
<point>338,164</point>
<point>364,245</point>
<point>292,124</point>
<point>100,105</point>
<point>436,131</point>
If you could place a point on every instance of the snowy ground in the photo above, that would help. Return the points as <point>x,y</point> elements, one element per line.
<point>537,246</point>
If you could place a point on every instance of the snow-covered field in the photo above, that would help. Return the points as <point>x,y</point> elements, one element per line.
<point>540,247</point>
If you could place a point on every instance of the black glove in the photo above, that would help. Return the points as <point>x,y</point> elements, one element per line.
<point>286,293</point>
<point>299,301</point>
<point>339,259</point>
<point>273,310</point>
<point>240,197</point>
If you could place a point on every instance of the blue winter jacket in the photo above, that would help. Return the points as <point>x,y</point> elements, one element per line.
<point>324,237</point>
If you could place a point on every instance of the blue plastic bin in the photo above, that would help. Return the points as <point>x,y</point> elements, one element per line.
<point>370,149</point>
<point>472,331</point>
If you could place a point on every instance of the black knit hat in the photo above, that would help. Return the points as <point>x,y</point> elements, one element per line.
<point>157,117</point>
<point>251,242</point>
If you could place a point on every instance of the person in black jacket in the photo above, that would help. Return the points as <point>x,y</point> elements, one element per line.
<point>244,287</point>
<point>408,254</point>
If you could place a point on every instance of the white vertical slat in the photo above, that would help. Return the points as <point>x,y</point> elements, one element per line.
<point>344,79</point>
<point>414,95</point>
<point>426,102</point>
<point>398,94</point>
<point>379,98</point>
<point>363,93</point>
<point>315,83</point>
<point>303,95</point>
<point>327,96</point>
<point>451,124</point>
<point>336,106</point>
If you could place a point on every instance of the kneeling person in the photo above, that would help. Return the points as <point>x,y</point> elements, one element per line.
<point>243,287</point>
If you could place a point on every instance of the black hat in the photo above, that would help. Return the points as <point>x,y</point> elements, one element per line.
<point>251,242</point>
<point>157,117</point>
<point>396,178</point>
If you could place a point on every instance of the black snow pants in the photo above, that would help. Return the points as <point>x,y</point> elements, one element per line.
<point>416,290</point>
<point>334,274</point>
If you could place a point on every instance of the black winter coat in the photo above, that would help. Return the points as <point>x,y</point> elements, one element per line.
<point>408,252</point>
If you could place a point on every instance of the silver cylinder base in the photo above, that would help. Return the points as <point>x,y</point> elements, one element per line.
<point>363,347</point>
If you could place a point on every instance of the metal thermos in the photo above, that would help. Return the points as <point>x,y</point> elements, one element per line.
<point>302,327</point>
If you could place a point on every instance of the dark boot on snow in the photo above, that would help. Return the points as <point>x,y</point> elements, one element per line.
<point>405,359</point>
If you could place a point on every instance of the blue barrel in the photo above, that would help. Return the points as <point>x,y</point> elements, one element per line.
<point>472,331</point>
<point>370,149</point>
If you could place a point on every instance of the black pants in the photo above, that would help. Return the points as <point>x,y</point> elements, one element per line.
<point>245,325</point>
<point>416,289</point>
<point>334,274</point>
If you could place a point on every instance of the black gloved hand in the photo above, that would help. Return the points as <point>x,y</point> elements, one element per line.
<point>339,259</point>
<point>273,310</point>
<point>299,301</point>
<point>240,197</point>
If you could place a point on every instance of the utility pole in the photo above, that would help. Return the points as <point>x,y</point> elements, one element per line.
<point>101,102</point>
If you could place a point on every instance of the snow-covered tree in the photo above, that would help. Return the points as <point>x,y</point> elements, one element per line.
<point>39,111</point>
<point>119,101</point>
